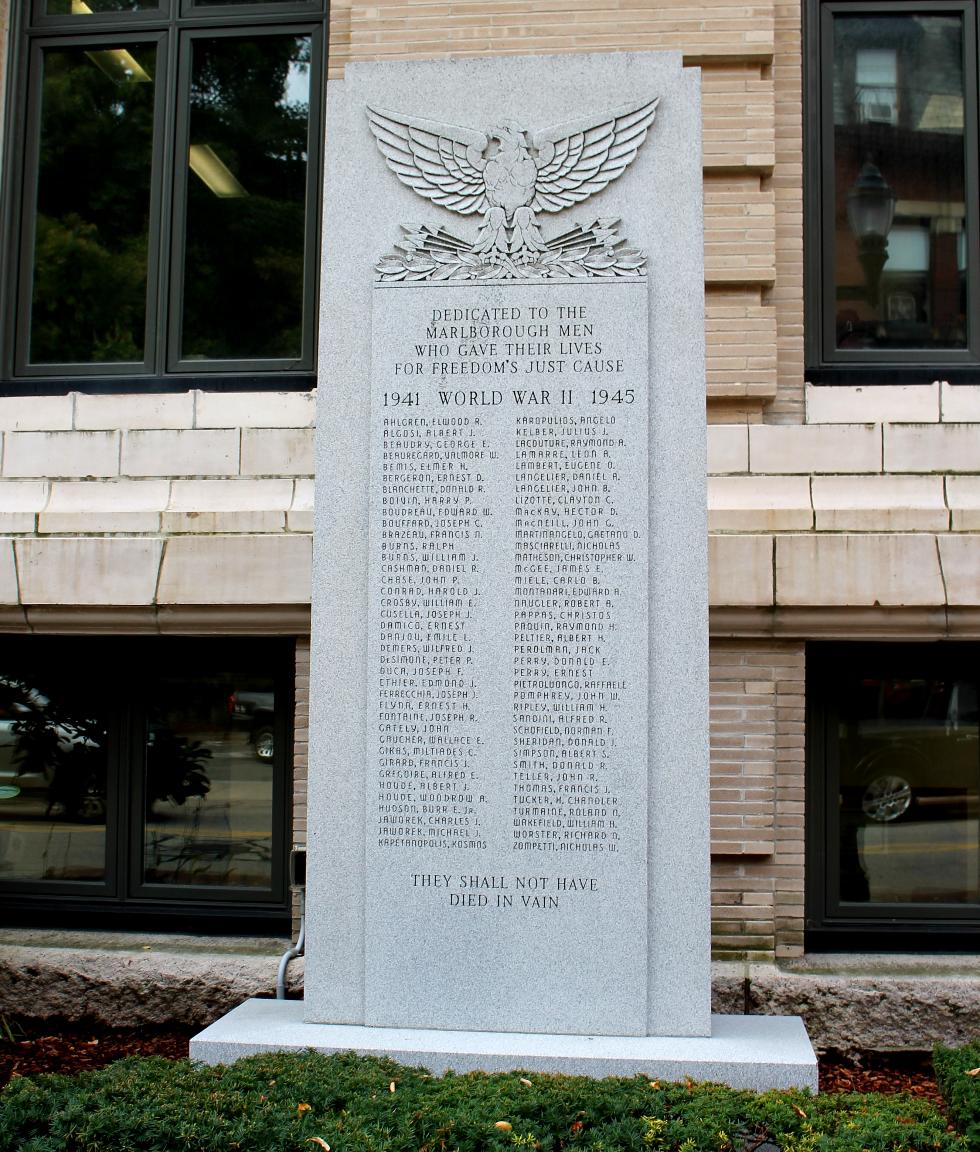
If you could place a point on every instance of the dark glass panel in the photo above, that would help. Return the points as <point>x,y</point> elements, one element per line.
<point>909,780</point>
<point>90,7</point>
<point>900,195</point>
<point>246,198</point>
<point>209,781</point>
<point>90,255</point>
<point>52,779</point>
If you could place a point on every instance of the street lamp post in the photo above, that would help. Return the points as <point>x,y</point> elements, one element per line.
<point>870,212</point>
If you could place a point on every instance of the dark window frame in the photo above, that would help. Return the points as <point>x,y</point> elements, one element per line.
<point>123,898</point>
<point>831,926</point>
<point>173,25</point>
<point>826,364</point>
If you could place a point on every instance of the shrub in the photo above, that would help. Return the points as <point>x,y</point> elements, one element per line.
<point>284,1103</point>
<point>959,1081</point>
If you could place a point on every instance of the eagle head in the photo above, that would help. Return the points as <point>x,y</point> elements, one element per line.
<point>510,134</point>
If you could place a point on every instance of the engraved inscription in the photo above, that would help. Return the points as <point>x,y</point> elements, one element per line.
<point>506,801</point>
<point>509,570</point>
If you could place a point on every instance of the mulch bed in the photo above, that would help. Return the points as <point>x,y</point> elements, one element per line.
<point>58,1046</point>
<point>880,1072</point>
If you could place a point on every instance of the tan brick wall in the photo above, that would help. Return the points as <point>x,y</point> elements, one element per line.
<point>787,187</point>
<point>301,749</point>
<point>757,780</point>
<point>866,507</point>
<point>301,739</point>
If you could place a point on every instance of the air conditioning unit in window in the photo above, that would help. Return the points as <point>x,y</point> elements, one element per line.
<point>877,106</point>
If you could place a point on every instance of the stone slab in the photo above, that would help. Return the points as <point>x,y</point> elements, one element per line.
<point>757,1052</point>
<point>384,946</point>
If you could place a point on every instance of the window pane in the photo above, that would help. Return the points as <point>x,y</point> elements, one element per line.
<point>52,781</point>
<point>900,193</point>
<point>246,199</point>
<point>209,781</point>
<point>90,7</point>
<point>909,778</point>
<point>93,205</point>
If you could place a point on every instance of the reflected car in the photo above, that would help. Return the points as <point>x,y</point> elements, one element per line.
<point>257,710</point>
<point>918,766</point>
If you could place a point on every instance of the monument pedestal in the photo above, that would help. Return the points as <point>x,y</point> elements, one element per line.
<point>757,1052</point>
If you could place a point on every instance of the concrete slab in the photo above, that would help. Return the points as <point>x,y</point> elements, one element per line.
<point>757,1052</point>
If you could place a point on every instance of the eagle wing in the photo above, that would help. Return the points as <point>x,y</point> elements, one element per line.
<point>442,162</point>
<point>581,157</point>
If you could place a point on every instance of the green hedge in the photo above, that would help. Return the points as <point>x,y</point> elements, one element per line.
<point>960,1090</point>
<point>356,1104</point>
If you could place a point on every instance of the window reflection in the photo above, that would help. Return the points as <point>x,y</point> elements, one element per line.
<point>52,781</point>
<point>909,779</point>
<point>209,781</point>
<point>246,198</point>
<point>93,199</point>
<point>898,97</point>
<point>90,7</point>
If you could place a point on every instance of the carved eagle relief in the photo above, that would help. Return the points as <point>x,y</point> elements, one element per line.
<point>510,175</point>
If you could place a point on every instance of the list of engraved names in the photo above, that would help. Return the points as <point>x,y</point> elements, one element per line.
<point>508,590</point>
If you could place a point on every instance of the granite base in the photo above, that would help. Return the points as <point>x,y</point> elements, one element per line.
<point>758,1052</point>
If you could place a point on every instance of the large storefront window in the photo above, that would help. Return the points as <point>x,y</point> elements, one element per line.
<point>138,775</point>
<point>163,177</point>
<point>895,782</point>
<point>893,244</point>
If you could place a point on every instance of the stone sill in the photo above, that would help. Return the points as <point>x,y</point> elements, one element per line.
<point>172,943</point>
<point>856,622</point>
<point>739,390</point>
<point>744,274</point>
<point>870,964</point>
<point>755,848</point>
<point>175,620</point>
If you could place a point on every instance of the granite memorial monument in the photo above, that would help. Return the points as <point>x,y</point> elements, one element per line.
<point>508,845</point>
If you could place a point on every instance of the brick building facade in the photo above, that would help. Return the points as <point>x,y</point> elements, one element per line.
<point>842,514</point>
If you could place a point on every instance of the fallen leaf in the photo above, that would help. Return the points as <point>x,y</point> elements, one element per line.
<point>577,1126</point>
<point>391,1086</point>
<point>319,1140</point>
<point>654,1083</point>
<point>524,1080</point>
<point>799,1112</point>
<point>301,1108</point>
<point>503,1125</point>
<point>973,1072</point>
